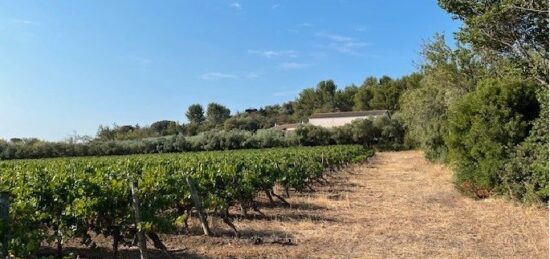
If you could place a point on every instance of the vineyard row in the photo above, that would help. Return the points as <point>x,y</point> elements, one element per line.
<point>53,200</point>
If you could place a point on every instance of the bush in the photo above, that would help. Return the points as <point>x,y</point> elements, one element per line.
<point>342,135</point>
<point>484,129</point>
<point>526,175</point>
<point>267,138</point>
<point>383,133</point>
<point>392,133</point>
<point>364,132</point>
<point>309,135</point>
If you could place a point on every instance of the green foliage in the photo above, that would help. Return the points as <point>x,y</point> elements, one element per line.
<point>514,30</point>
<point>216,114</point>
<point>496,135</point>
<point>448,76</point>
<point>60,199</point>
<point>165,128</point>
<point>243,123</point>
<point>362,99</point>
<point>526,175</point>
<point>364,132</point>
<point>270,138</point>
<point>383,93</point>
<point>344,98</point>
<point>309,135</point>
<point>484,127</point>
<point>382,133</point>
<point>195,114</point>
<point>392,133</point>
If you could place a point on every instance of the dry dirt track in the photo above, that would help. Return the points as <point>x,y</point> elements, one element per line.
<point>398,205</point>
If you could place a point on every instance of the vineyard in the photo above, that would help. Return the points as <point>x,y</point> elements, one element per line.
<point>54,200</point>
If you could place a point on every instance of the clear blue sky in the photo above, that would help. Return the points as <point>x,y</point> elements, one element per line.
<point>73,65</point>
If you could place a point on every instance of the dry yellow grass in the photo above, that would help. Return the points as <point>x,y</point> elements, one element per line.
<point>398,205</point>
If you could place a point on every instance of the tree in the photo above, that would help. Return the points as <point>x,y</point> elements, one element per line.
<point>216,114</point>
<point>448,75</point>
<point>344,98</point>
<point>105,133</point>
<point>326,91</point>
<point>378,100</point>
<point>484,127</point>
<point>319,99</point>
<point>164,128</point>
<point>514,30</point>
<point>195,114</point>
<point>242,123</point>
<point>362,99</point>
<point>305,104</point>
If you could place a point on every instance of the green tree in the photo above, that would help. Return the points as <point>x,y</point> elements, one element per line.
<point>326,91</point>
<point>216,114</point>
<point>195,114</point>
<point>448,75</point>
<point>165,127</point>
<point>513,30</point>
<point>344,98</point>
<point>378,100</point>
<point>362,99</point>
<point>242,123</point>
<point>319,99</point>
<point>483,129</point>
<point>305,104</point>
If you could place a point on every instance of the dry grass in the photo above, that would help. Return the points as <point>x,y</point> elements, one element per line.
<point>397,206</point>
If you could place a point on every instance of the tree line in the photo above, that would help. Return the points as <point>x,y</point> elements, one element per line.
<point>383,133</point>
<point>374,93</point>
<point>216,128</point>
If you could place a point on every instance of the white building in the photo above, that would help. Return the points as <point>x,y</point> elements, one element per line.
<point>337,119</point>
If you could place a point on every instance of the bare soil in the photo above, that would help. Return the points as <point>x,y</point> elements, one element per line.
<point>397,205</point>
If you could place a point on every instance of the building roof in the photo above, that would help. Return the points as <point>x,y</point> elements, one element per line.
<point>287,126</point>
<point>348,114</point>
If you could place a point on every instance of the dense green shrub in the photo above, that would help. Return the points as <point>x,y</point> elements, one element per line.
<point>364,132</point>
<point>392,134</point>
<point>484,128</point>
<point>309,135</point>
<point>267,138</point>
<point>526,175</point>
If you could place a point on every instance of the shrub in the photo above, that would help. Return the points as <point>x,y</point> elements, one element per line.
<point>484,128</point>
<point>309,135</point>
<point>526,175</point>
<point>342,135</point>
<point>364,132</point>
<point>267,138</point>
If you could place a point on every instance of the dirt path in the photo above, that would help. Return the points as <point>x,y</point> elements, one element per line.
<point>396,206</point>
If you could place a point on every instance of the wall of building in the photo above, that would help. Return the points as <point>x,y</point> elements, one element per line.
<point>338,121</point>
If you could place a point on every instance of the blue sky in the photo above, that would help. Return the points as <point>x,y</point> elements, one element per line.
<point>73,65</point>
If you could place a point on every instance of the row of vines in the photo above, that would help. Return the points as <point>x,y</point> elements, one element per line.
<point>53,200</point>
